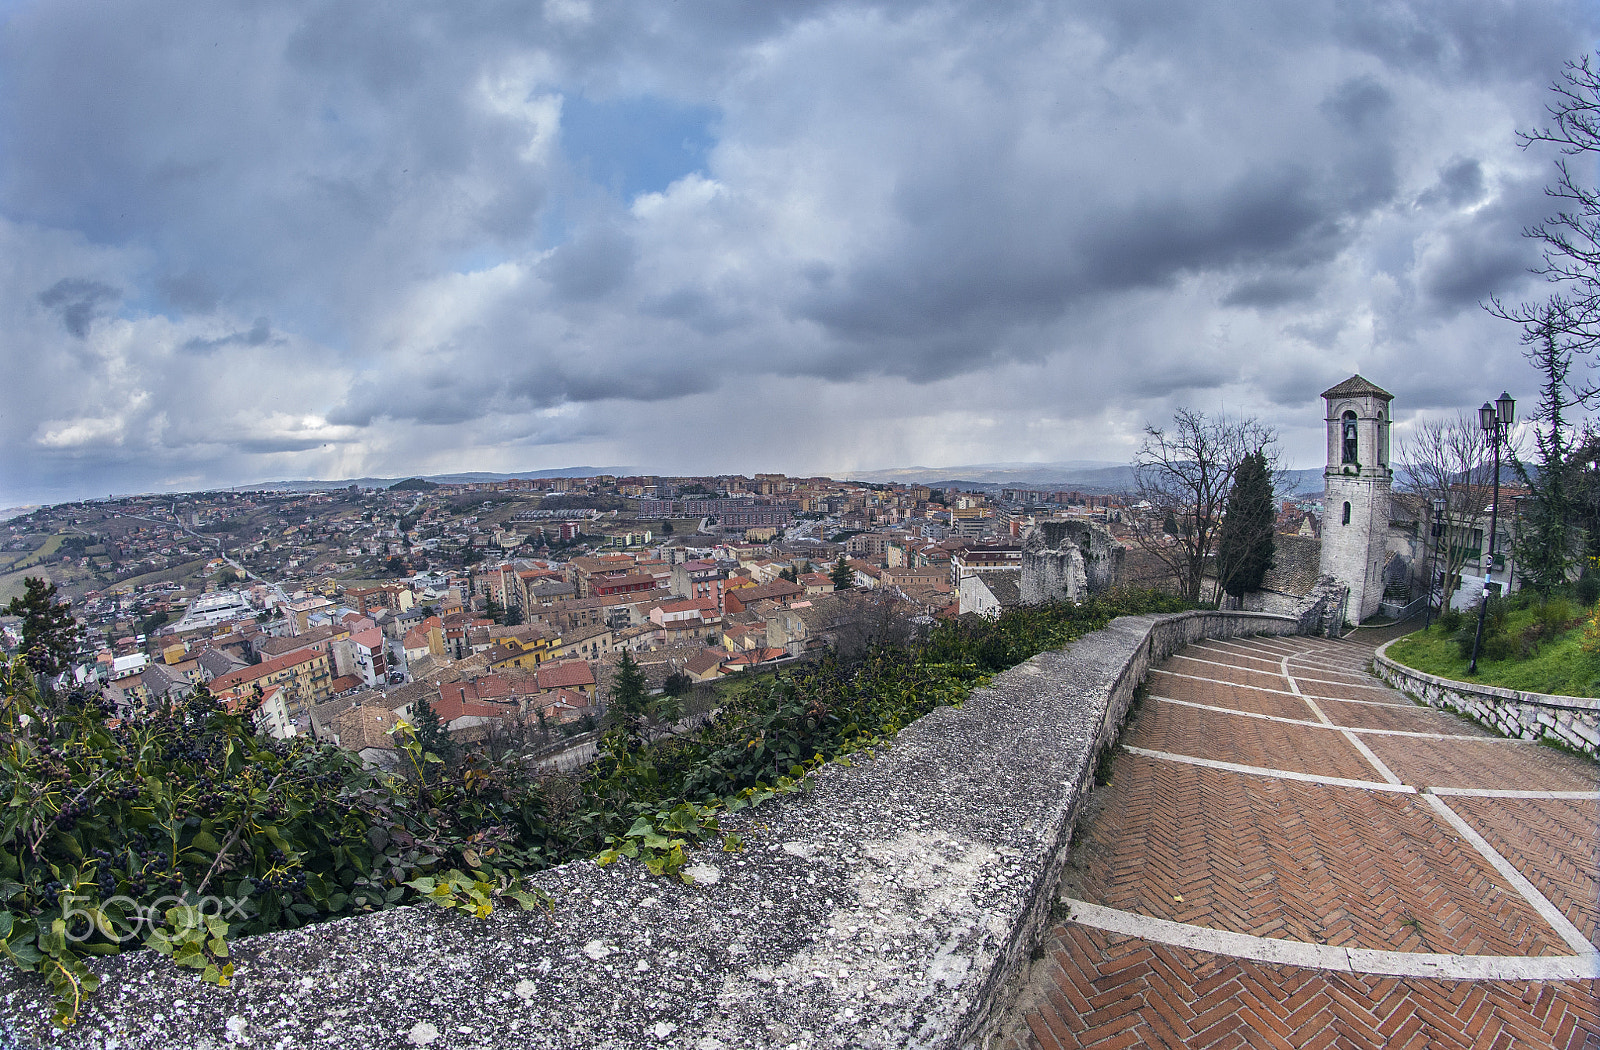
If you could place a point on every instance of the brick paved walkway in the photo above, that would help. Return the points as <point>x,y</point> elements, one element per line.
<point>1290,854</point>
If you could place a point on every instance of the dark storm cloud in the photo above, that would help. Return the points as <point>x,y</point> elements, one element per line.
<point>478,226</point>
<point>1459,185</point>
<point>259,334</point>
<point>589,266</point>
<point>77,302</point>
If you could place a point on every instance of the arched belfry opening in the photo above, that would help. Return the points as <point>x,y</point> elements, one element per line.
<point>1357,481</point>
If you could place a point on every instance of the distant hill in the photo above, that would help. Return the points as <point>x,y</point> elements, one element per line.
<point>466,478</point>
<point>1081,475</point>
<point>413,484</point>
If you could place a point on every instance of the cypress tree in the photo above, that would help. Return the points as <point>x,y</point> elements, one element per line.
<point>1245,545</point>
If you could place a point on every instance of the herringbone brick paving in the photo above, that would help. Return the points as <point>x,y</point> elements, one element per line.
<point>1248,741</point>
<point>1495,764</point>
<point>1109,990</point>
<point>1410,719</point>
<point>1308,862</point>
<point>1554,842</point>
<point>1311,862</point>
<point>1233,697</point>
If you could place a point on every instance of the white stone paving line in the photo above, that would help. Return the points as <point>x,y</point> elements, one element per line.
<point>1366,785</point>
<point>1366,752</point>
<point>1577,796</point>
<point>1583,966</point>
<point>1541,904</point>
<point>1318,725</point>
<point>1285,692</point>
<point>1263,771</point>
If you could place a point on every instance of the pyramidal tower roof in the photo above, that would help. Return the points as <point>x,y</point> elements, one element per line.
<point>1356,386</point>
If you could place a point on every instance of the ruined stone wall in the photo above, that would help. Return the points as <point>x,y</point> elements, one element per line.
<point>1067,560</point>
<point>1570,720</point>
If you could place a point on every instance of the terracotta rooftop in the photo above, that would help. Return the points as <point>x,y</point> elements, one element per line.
<point>1356,386</point>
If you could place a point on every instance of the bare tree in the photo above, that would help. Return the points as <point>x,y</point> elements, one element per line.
<point>865,620</point>
<point>1570,239</point>
<point>1186,471</point>
<point>1450,460</point>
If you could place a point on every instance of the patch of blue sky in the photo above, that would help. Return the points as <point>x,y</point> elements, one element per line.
<point>635,145</point>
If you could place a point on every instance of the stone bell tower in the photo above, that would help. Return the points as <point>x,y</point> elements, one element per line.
<point>1356,483</point>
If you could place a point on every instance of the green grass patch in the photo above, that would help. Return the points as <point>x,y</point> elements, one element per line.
<point>51,546</point>
<point>177,574</point>
<point>1556,664</point>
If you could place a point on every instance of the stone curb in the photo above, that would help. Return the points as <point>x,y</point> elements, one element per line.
<point>1571,720</point>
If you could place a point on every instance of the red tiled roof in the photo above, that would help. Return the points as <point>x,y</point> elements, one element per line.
<point>569,675</point>
<point>705,660</point>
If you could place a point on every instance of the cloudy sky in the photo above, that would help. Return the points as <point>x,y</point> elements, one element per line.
<point>243,241</point>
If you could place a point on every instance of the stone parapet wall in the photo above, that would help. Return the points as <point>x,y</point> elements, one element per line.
<point>889,905</point>
<point>1573,721</point>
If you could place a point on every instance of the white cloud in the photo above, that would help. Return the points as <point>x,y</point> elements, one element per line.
<point>312,241</point>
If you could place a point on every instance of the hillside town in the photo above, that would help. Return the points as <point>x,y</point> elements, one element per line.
<point>509,603</point>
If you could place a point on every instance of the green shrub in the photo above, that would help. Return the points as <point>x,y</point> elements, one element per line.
<point>107,823</point>
<point>1587,590</point>
<point>180,830</point>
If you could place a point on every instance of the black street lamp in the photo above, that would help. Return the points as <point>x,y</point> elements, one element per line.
<point>1496,420</point>
<point>1433,563</point>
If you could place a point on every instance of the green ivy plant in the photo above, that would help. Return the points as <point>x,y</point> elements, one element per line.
<point>181,828</point>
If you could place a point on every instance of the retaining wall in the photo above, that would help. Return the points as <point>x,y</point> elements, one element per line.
<point>1570,720</point>
<point>888,906</point>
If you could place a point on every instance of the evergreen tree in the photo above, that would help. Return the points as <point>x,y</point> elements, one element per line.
<point>432,733</point>
<point>1245,544</point>
<point>1544,539</point>
<point>842,575</point>
<point>50,634</point>
<point>630,699</point>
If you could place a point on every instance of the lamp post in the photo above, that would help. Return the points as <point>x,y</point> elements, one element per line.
<point>1496,420</point>
<point>1433,563</point>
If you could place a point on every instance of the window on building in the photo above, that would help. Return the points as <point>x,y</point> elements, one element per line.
<point>1348,429</point>
<point>1346,519</point>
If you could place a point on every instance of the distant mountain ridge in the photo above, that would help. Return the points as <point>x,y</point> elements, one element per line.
<point>463,478</point>
<point>1093,476</point>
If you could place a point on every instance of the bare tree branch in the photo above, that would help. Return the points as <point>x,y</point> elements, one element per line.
<point>1186,471</point>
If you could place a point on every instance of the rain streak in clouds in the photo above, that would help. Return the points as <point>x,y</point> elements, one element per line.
<point>255,241</point>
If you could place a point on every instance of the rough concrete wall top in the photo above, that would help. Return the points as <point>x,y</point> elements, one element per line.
<point>885,907</point>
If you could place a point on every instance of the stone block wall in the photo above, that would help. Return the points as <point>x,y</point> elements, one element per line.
<point>1355,553</point>
<point>889,905</point>
<point>1570,720</point>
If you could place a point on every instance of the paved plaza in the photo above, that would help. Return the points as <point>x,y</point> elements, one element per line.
<point>1291,854</point>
